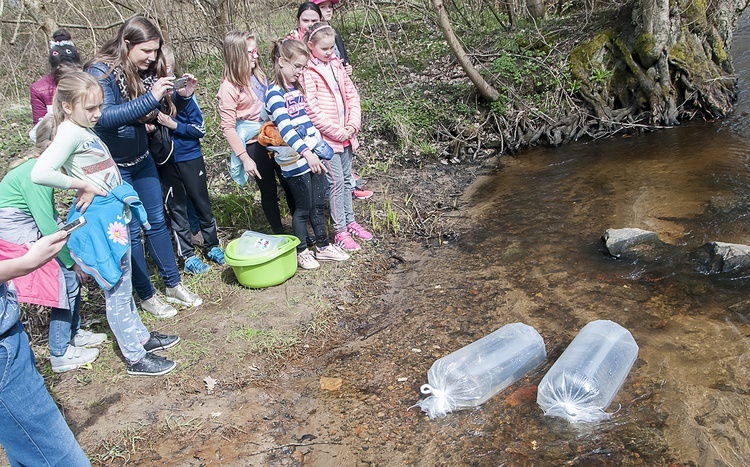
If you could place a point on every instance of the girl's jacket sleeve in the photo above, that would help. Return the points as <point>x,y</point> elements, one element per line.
<point>192,126</point>
<point>115,111</point>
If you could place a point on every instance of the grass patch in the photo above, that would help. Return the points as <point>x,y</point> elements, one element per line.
<point>273,342</point>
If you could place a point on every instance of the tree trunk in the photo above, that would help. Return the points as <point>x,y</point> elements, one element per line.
<point>161,18</point>
<point>38,11</point>
<point>660,61</point>
<point>484,88</point>
<point>536,8</point>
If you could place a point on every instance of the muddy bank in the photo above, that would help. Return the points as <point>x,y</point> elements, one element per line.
<point>247,388</point>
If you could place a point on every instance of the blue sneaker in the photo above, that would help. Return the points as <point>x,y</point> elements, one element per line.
<point>195,266</point>
<point>216,255</point>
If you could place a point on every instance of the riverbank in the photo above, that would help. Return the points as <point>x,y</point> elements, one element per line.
<point>251,361</point>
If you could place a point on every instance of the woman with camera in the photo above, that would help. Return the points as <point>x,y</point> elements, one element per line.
<point>133,74</point>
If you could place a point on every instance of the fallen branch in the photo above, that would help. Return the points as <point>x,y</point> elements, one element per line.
<point>290,445</point>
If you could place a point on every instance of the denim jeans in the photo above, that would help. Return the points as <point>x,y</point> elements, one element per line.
<point>339,191</point>
<point>145,180</point>
<point>63,324</point>
<point>309,191</point>
<point>123,317</point>
<point>33,430</point>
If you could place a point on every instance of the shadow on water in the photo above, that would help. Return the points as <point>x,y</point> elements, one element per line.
<point>534,253</point>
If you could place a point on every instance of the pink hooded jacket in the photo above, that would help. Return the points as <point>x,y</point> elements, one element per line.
<point>321,106</point>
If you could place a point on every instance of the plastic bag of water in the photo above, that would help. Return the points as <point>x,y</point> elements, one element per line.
<point>255,243</point>
<point>584,380</point>
<point>471,375</point>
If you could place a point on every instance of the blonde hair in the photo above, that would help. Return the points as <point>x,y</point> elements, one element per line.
<point>319,30</point>
<point>288,49</point>
<point>45,131</point>
<point>73,87</point>
<point>167,106</point>
<point>237,68</point>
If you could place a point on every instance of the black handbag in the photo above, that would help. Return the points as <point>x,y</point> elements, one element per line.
<point>161,145</point>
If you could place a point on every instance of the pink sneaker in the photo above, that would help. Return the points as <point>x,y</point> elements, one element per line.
<point>361,194</point>
<point>358,231</point>
<point>345,241</point>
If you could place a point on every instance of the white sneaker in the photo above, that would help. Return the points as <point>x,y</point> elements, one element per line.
<point>182,296</point>
<point>88,339</point>
<point>306,260</point>
<point>74,357</point>
<point>331,253</point>
<point>158,308</point>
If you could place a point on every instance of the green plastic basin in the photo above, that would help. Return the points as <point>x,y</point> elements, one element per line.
<point>265,270</point>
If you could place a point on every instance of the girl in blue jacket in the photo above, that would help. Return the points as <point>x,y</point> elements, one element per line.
<point>133,75</point>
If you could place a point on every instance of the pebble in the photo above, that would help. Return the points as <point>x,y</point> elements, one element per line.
<point>330,384</point>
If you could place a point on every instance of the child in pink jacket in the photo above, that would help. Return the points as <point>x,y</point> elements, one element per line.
<point>332,103</point>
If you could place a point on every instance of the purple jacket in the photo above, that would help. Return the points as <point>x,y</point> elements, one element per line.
<point>42,92</point>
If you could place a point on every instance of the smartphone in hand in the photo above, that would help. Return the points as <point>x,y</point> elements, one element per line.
<point>180,83</point>
<point>73,225</point>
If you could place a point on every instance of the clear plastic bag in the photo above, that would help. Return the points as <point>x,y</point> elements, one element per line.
<point>471,375</point>
<point>584,380</point>
<point>255,243</point>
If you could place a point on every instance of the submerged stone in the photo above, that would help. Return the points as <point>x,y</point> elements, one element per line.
<point>618,241</point>
<point>727,257</point>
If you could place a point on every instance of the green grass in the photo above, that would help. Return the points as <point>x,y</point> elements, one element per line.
<point>272,342</point>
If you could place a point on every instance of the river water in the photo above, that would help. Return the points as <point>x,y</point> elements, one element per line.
<point>529,250</point>
<point>539,223</point>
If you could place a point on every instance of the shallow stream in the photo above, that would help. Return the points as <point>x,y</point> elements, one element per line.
<point>528,249</point>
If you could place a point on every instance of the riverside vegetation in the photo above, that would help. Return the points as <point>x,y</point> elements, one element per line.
<point>578,72</point>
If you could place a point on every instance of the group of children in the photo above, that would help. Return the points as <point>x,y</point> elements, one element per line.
<point>313,103</point>
<point>129,91</point>
<point>100,137</point>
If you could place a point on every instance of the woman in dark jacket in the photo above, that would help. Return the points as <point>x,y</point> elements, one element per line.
<point>132,72</point>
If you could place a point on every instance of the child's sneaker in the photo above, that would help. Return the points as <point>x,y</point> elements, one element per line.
<point>306,260</point>
<point>157,307</point>
<point>216,255</point>
<point>182,296</point>
<point>195,266</point>
<point>361,194</point>
<point>159,341</point>
<point>74,357</point>
<point>345,241</point>
<point>151,365</point>
<point>331,253</point>
<point>358,231</point>
<point>88,338</point>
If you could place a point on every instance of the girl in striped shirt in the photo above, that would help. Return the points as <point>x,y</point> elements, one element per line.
<point>303,170</point>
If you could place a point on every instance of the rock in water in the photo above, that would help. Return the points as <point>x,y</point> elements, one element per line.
<point>619,241</point>
<point>727,257</point>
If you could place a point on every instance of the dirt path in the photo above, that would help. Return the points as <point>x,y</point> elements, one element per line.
<point>247,390</point>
